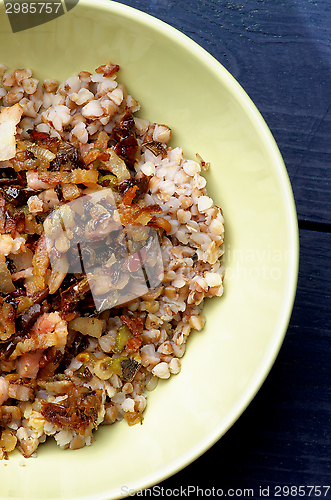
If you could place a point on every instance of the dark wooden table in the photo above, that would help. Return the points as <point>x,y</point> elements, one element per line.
<point>280,52</point>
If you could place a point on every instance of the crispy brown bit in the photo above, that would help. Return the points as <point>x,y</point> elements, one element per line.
<point>59,192</point>
<point>16,195</point>
<point>108,69</point>
<point>66,153</point>
<point>125,128</point>
<point>49,356</point>
<point>9,176</point>
<point>30,316</point>
<point>72,295</point>
<point>126,149</point>
<point>49,362</point>
<point>78,411</point>
<point>135,215</point>
<point>161,223</point>
<point>135,325</point>
<point>79,344</point>
<point>133,344</point>
<point>126,142</point>
<point>6,349</point>
<point>129,195</point>
<point>41,137</point>
<point>40,296</point>
<point>157,148</point>
<point>76,176</point>
<point>92,155</point>
<point>10,227</point>
<point>140,182</point>
<point>19,292</point>
<point>20,222</point>
<point>7,321</point>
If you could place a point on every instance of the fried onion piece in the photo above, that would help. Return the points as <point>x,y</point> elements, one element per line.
<point>6,283</point>
<point>130,195</point>
<point>9,118</point>
<point>136,215</point>
<point>76,176</point>
<point>40,261</point>
<point>60,268</point>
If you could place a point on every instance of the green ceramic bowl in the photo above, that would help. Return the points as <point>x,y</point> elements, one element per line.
<point>179,84</point>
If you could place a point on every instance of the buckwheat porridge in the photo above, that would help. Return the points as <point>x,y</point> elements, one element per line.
<point>109,245</point>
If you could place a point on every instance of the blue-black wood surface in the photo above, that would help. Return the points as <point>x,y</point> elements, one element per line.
<point>280,52</point>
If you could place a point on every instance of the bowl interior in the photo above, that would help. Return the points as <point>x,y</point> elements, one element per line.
<point>179,84</point>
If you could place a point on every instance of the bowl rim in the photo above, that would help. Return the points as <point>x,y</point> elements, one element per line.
<point>260,126</point>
